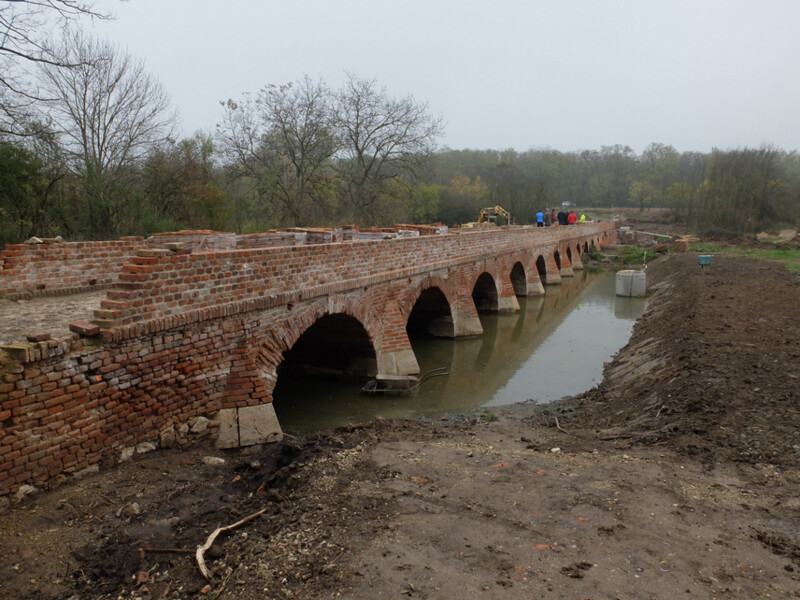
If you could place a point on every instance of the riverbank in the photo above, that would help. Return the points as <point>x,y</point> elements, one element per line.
<point>677,476</point>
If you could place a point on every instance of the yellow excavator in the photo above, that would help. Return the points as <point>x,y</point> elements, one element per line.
<point>490,214</point>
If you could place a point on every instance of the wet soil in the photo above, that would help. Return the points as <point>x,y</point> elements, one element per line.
<point>678,476</point>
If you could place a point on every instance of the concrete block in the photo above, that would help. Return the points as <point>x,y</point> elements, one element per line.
<point>258,424</point>
<point>507,304</point>
<point>406,362</point>
<point>227,421</point>
<point>401,362</point>
<point>466,325</point>
<point>535,288</point>
<point>20,352</point>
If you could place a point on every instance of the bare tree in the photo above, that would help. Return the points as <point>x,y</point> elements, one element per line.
<point>382,139</point>
<point>23,42</point>
<point>282,142</point>
<point>108,113</point>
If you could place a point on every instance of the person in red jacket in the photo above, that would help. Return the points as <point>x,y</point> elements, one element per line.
<point>571,218</point>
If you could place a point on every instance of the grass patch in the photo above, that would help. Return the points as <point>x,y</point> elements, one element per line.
<point>790,257</point>
<point>633,256</point>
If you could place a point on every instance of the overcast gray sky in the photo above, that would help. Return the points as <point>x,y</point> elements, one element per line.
<point>563,74</point>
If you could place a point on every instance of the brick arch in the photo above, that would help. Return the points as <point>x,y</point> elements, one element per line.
<point>278,335</point>
<point>493,295</point>
<point>409,297</point>
<point>432,312</point>
<point>520,281</point>
<point>540,264</point>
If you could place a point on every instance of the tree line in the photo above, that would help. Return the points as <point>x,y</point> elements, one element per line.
<point>88,151</point>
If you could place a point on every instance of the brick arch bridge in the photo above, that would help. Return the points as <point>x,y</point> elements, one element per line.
<point>193,334</point>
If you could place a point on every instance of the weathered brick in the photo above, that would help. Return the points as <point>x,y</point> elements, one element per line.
<point>84,328</point>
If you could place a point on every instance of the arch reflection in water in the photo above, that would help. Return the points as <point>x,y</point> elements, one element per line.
<point>556,345</point>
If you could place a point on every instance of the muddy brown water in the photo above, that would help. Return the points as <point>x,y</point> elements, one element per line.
<point>555,346</point>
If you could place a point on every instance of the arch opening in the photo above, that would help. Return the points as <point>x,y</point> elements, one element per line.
<point>518,280</point>
<point>569,254</point>
<point>431,315</point>
<point>541,268</point>
<point>336,346</point>
<point>484,294</point>
<point>557,258</point>
<point>336,355</point>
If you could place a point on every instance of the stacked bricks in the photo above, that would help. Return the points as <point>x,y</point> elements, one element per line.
<point>435,229</point>
<point>62,268</point>
<point>270,239</point>
<point>201,240</point>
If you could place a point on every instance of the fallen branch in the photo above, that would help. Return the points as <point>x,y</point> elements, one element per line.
<point>559,426</point>
<point>201,563</point>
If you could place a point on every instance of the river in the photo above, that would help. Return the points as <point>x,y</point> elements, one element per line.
<point>555,346</point>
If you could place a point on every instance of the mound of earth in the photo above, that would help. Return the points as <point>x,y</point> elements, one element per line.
<point>712,368</point>
<point>677,477</point>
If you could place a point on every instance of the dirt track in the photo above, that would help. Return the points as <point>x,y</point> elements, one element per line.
<point>677,477</point>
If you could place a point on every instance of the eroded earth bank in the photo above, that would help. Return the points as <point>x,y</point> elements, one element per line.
<point>677,477</point>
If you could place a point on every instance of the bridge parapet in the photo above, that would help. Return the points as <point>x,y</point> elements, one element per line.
<point>161,286</point>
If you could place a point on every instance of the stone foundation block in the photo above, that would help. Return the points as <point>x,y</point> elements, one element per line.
<point>247,426</point>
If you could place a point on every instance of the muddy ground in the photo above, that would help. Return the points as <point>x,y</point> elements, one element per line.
<point>677,477</point>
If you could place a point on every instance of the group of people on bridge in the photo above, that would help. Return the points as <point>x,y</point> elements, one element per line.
<point>549,216</point>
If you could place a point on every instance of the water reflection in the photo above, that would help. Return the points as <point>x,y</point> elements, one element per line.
<point>555,346</point>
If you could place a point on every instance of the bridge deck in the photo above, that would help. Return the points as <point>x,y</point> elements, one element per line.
<point>52,315</point>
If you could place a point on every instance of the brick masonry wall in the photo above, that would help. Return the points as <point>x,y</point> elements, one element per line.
<point>154,287</point>
<point>207,332</point>
<point>66,267</point>
<point>75,403</point>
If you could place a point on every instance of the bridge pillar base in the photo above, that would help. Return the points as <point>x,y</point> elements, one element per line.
<point>507,304</point>
<point>552,279</point>
<point>467,326</point>
<point>535,288</point>
<point>577,263</point>
<point>247,426</point>
<point>399,362</point>
<point>567,272</point>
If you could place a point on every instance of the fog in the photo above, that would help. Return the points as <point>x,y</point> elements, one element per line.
<point>562,74</point>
